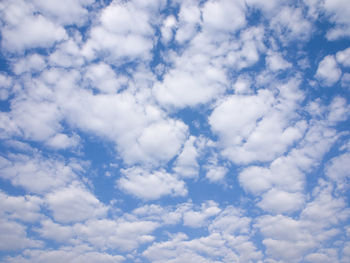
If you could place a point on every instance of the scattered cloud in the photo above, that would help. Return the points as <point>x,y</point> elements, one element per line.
<point>174,131</point>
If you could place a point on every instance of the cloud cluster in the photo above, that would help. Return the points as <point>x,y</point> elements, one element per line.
<point>174,131</point>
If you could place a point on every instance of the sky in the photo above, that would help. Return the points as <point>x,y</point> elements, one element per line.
<point>177,131</point>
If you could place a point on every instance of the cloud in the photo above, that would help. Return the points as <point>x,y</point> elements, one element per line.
<point>25,30</point>
<point>121,234</point>
<point>255,127</point>
<point>13,236</point>
<point>189,19</point>
<point>338,169</point>
<point>328,71</point>
<point>53,231</point>
<point>150,185</point>
<point>339,13</point>
<point>276,62</point>
<point>65,12</point>
<point>24,208</point>
<point>343,57</point>
<point>183,86</point>
<point>5,86</point>
<point>35,173</point>
<point>186,165</point>
<point>281,201</point>
<point>74,198</point>
<point>125,31</point>
<point>174,131</point>
<point>199,218</point>
<point>223,15</point>
<point>290,25</point>
<point>77,254</point>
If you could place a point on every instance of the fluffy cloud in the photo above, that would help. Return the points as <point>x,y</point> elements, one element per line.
<point>36,174</point>
<point>13,236</point>
<point>65,12</point>
<point>174,131</point>
<point>125,31</point>
<point>24,29</point>
<point>328,71</point>
<point>121,234</point>
<point>198,218</point>
<point>151,185</point>
<point>24,208</point>
<point>254,127</point>
<point>186,165</point>
<point>223,15</point>
<point>74,198</point>
<point>77,254</point>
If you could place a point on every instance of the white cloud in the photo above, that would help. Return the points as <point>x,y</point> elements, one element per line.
<point>36,173</point>
<point>338,110</point>
<point>276,62</point>
<point>151,185</point>
<point>13,236</point>
<point>255,179</point>
<point>230,221</point>
<point>233,123</point>
<point>24,208</point>
<point>67,54</point>
<point>278,201</point>
<point>62,141</point>
<point>186,165</point>
<point>345,81</point>
<point>223,15</point>
<point>243,85</point>
<point>192,82</point>
<point>168,28</point>
<point>142,133</point>
<point>78,254</point>
<point>32,63</point>
<point>216,173</point>
<point>104,78</point>
<point>25,30</point>
<point>209,249</point>
<point>290,25</point>
<point>343,57</point>
<point>199,218</point>
<point>269,7</point>
<point>157,213</point>
<point>338,169</point>
<point>189,19</point>
<point>258,127</point>
<point>328,71</point>
<point>5,86</point>
<point>339,11</point>
<point>323,256</point>
<point>53,231</point>
<point>65,12</point>
<point>160,141</point>
<point>116,234</point>
<point>318,223</point>
<point>125,31</point>
<point>325,209</point>
<point>75,197</point>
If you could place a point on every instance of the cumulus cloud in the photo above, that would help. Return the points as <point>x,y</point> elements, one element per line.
<point>151,185</point>
<point>174,131</point>
<point>328,71</point>
<point>24,29</point>
<point>13,236</point>
<point>36,173</point>
<point>74,198</point>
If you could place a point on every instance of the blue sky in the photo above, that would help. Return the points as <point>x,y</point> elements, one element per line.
<point>174,131</point>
